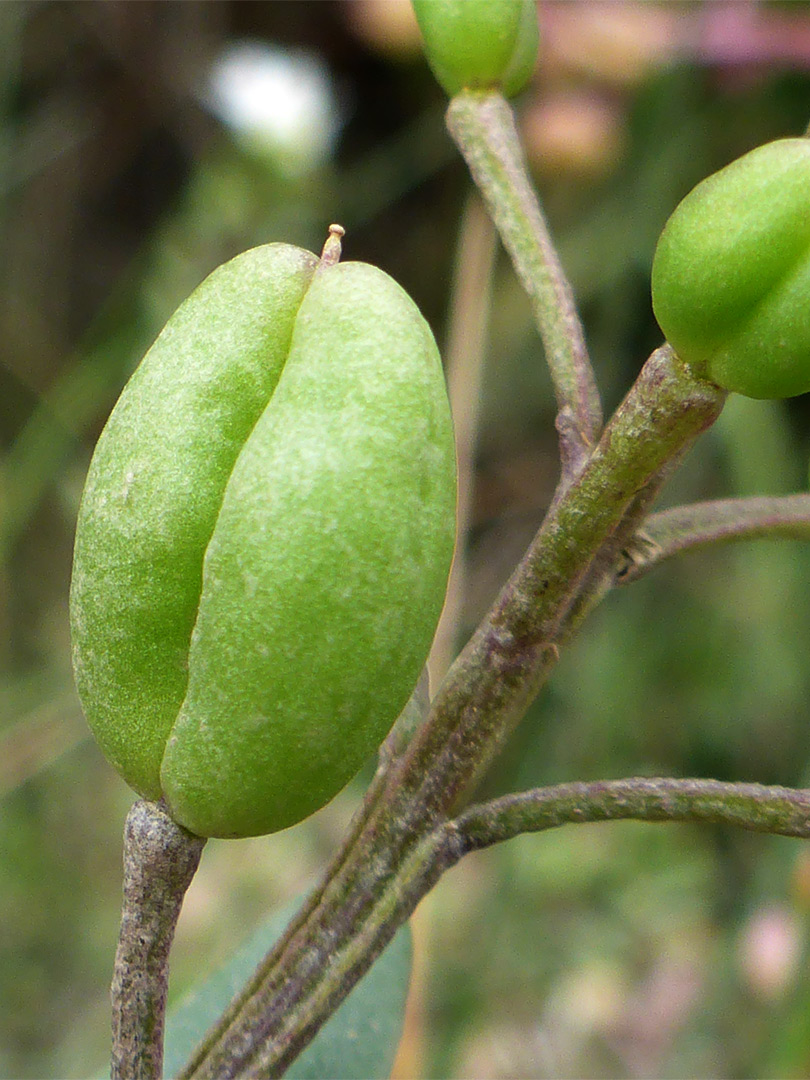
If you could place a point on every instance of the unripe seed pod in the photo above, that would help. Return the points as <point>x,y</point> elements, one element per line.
<point>264,541</point>
<point>479,44</point>
<point>731,274</point>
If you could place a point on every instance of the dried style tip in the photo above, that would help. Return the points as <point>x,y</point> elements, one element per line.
<point>332,248</point>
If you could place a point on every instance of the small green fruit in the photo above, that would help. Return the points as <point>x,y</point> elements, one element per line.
<point>479,44</point>
<point>731,274</point>
<point>264,541</point>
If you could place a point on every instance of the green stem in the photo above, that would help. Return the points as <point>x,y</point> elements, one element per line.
<point>396,857</point>
<point>707,524</point>
<point>511,654</point>
<point>160,859</point>
<point>778,810</point>
<point>483,127</point>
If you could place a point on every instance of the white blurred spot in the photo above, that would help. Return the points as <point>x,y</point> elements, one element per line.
<point>279,101</point>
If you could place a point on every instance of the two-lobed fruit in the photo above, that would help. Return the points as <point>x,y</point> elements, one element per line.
<point>731,274</point>
<point>264,541</point>
<point>479,44</point>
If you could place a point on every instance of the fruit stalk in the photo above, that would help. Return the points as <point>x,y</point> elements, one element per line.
<point>483,127</point>
<point>160,859</point>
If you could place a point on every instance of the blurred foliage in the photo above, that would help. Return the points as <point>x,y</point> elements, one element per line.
<point>612,950</point>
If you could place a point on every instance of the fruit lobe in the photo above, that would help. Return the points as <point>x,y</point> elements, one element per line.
<point>479,44</point>
<point>264,541</point>
<point>731,274</point>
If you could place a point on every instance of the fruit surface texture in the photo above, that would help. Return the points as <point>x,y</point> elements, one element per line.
<point>264,541</point>
<point>731,274</point>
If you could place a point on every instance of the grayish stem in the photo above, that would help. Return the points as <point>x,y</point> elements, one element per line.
<point>160,859</point>
<point>779,810</point>
<point>707,524</point>
<point>483,127</point>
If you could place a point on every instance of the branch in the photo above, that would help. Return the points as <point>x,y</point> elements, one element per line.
<point>160,859</point>
<point>483,127</point>
<point>407,838</point>
<point>511,654</point>
<point>775,810</point>
<point>778,810</point>
<point>704,524</point>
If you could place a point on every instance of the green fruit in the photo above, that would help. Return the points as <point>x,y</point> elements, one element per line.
<point>731,274</point>
<point>264,541</point>
<point>479,44</point>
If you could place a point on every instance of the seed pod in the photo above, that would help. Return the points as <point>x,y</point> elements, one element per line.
<point>264,541</point>
<point>479,44</point>
<point>731,274</point>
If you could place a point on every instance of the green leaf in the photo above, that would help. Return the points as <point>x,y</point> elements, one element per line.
<point>357,1043</point>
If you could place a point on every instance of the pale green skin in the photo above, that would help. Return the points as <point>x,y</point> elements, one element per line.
<point>264,541</point>
<point>479,44</point>
<point>731,274</point>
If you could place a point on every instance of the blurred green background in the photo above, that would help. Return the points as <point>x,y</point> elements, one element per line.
<point>142,143</point>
